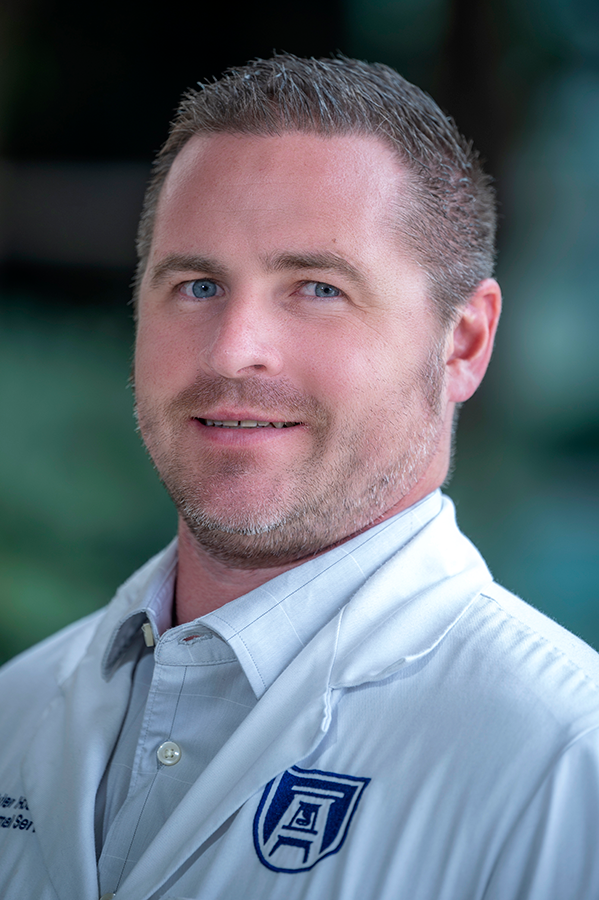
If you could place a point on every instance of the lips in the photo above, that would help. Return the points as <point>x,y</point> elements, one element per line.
<point>245,423</point>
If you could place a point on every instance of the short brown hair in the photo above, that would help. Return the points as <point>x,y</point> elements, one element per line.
<point>450,223</point>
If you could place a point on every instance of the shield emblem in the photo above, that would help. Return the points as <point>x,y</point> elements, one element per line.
<point>303,816</point>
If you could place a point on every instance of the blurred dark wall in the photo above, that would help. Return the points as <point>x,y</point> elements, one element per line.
<point>85,97</point>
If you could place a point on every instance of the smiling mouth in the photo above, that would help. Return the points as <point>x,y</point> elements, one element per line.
<point>246,423</point>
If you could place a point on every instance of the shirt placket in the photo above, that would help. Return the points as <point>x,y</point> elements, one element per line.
<point>197,698</point>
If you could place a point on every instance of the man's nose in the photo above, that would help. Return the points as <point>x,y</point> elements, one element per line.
<point>243,339</point>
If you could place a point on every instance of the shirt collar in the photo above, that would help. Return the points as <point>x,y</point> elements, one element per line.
<point>151,601</point>
<point>293,607</point>
<point>269,626</point>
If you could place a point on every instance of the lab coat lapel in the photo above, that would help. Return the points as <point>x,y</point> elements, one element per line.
<point>409,604</point>
<point>276,734</point>
<point>63,768</point>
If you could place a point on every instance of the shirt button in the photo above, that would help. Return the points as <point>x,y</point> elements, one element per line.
<point>169,753</point>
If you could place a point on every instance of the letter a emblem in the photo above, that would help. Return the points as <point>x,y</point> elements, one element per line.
<point>303,816</point>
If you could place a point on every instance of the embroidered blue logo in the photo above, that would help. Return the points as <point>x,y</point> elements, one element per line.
<point>303,816</point>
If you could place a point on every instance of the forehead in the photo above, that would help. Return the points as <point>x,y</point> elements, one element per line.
<point>294,180</point>
<point>339,158</point>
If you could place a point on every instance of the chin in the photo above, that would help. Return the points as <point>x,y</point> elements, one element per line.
<point>252,545</point>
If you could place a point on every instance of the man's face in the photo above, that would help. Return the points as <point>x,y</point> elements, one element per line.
<point>277,298</point>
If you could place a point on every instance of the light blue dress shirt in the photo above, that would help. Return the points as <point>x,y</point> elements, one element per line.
<point>193,689</point>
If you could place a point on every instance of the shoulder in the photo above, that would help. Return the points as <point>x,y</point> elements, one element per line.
<point>533,642</point>
<point>526,666</point>
<point>494,717</point>
<point>503,682</point>
<point>37,673</point>
<point>552,636</point>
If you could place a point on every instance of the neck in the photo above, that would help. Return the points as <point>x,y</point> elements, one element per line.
<point>205,583</point>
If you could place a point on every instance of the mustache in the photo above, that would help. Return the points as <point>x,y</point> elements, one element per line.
<point>272,399</point>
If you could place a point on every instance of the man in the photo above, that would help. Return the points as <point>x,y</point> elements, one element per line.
<point>318,691</point>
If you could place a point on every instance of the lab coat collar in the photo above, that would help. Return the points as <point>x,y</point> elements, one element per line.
<point>420,595</point>
<point>398,616</point>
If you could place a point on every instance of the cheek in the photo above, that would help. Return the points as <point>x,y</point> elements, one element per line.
<point>163,358</point>
<point>336,350</point>
<point>334,377</point>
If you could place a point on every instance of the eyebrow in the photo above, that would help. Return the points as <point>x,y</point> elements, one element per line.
<point>278,262</point>
<point>324,261</point>
<point>184,262</point>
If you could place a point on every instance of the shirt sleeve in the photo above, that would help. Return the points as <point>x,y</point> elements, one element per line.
<point>552,852</point>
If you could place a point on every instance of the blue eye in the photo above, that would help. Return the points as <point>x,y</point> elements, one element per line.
<point>325,290</point>
<point>202,288</point>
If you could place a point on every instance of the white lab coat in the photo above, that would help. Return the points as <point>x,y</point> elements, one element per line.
<point>474,717</point>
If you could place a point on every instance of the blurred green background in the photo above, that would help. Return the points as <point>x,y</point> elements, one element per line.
<point>85,97</point>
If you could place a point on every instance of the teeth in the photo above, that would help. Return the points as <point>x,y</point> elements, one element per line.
<point>246,423</point>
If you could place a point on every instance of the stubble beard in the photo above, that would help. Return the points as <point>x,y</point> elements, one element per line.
<point>331,501</point>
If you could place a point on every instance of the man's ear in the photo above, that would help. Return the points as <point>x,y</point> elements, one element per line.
<point>470,341</point>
